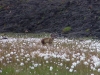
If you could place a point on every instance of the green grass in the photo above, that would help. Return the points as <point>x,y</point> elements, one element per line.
<point>18,58</point>
<point>67,29</point>
<point>25,35</point>
<point>44,69</point>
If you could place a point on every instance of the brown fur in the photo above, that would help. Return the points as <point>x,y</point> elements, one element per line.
<point>48,40</point>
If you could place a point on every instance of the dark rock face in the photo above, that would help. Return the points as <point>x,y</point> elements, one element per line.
<point>83,16</point>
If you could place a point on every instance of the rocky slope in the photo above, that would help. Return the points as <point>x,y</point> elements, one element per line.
<point>82,16</point>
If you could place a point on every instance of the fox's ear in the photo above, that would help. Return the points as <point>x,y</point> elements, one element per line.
<point>53,35</point>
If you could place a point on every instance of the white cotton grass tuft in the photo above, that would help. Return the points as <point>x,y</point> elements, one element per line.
<point>51,68</point>
<point>35,65</point>
<point>75,70</point>
<point>72,67</point>
<point>82,58</point>
<point>11,53</point>
<point>0,71</point>
<point>17,71</point>
<point>8,55</point>
<point>18,60</point>
<point>17,56</point>
<point>78,62</point>
<point>61,64</point>
<point>92,74</point>
<point>46,57</point>
<point>67,59</point>
<point>74,64</point>
<point>86,63</point>
<point>31,67</point>
<point>21,64</point>
<point>96,61</point>
<point>22,50</point>
<point>27,55</point>
<point>22,54</point>
<point>1,59</point>
<point>72,59</point>
<point>95,58</point>
<point>47,61</point>
<point>71,70</point>
<point>63,54</point>
<point>28,59</point>
<point>99,70</point>
<point>97,64</point>
<point>67,67</point>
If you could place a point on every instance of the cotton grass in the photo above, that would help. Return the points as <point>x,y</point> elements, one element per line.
<point>64,56</point>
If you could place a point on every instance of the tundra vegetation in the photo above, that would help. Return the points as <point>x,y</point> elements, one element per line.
<point>67,29</point>
<point>25,55</point>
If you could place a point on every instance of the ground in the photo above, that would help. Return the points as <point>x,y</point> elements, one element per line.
<point>35,16</point>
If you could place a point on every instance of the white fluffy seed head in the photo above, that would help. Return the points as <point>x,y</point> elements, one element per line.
<point>21,64</point>
<point>31,67</point>
<point>86,63</point>
<point>11,53</point>
<point>51,68</point>
<point>74,63</point>
<point>0,71</point>
<point>99,70</point>
<point>70,70</point>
